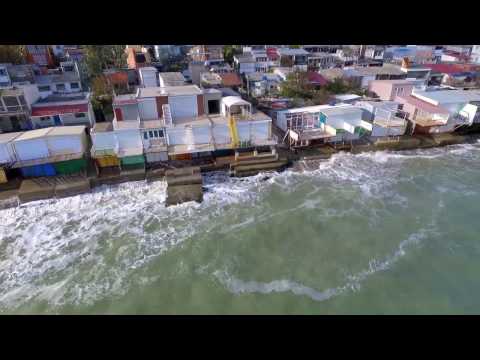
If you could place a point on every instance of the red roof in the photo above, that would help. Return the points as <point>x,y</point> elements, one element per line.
<point>118,77</point>
<point>231,79</point>
<point>58,109</point>
<point>316,79</point>
<point>272,54</point>
<point>452,68</point>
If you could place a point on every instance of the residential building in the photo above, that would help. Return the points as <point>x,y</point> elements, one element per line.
<point>261,84</point>
<point>386,117</point>
<point>388,90</point>
<point>374,52</point>
<point>283,72</point>
<point>119,79</point>
<point>441,110</point>
<point>318,61</point>
<point>320,124</point>
<point>74,53</point>
<point>196,68</point>
<point>137,59</point>
<point>5,80</point>
<point>148,76</point>
<point>39,55</point>
<point>15,107</point>
<point>171,79</point>
<point>210,80</point>
<point>297,58</point>
<point>475,55</point>
<point>208,54</point>
<point>59,81</point>
<point>367,74</point>
<point>231,80</point>
<point>63,110</point>
<point>325,49</point>
<point>245,64</point>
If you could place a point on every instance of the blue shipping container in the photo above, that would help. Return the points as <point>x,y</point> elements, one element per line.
<point>39,170</point>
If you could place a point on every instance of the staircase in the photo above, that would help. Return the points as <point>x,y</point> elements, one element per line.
<point>249,164</point>
<point>167,115</point>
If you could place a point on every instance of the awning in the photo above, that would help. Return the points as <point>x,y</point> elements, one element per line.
<point>59,109</point>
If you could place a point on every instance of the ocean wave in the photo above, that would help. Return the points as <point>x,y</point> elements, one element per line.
<point>353,281</point>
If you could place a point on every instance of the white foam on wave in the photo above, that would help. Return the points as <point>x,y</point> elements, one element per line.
<point>80,249</point>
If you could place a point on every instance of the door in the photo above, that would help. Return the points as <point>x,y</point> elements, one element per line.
<point>148,109</point>
<point>183,106</point>
<point>213,106</point>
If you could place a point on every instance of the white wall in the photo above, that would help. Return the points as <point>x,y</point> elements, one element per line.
<point>184,106</point>
<point>31,149</point>
<point>148,109</point>
<point>129,139</point>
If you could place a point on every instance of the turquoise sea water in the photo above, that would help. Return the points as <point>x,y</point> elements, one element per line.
<point>378,233</point>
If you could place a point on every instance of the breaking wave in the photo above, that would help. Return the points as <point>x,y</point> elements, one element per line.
<point>85,248</point>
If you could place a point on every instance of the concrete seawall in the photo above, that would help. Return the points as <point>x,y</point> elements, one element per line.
<point>186,185</point>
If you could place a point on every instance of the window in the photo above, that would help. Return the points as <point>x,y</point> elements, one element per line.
<point>60,87</point>
<point>44,118</point>
<point>44,88</point>
<point>155,133</point>
<point>79,115</point>
<point>145,135</point>
<point>3,72</point>
<point>74,85</point>
<point>160,133</point>
<point>150,133</point>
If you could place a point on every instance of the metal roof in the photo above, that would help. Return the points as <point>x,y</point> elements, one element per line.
<point>33,134</point>
<point>439,97</point>
<point>169,91</point>
<point>67,130</point>
<point>7,137</point>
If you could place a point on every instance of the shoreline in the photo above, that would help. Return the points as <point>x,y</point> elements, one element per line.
<point>18,191</point>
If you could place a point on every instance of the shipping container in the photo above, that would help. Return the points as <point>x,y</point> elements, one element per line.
<point>107,161</point>
<point>70,167</point>
<point>38,170</point>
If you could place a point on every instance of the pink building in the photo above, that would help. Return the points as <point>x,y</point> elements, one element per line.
<point>387,90</point>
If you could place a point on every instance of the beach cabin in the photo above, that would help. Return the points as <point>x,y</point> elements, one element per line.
<point>105,148</point>
<point>347,120</point>
<point>386,117</point>
<point>130,145</point>
<point>322,124</point>
<point>7,154</point>
<point>51,151</point>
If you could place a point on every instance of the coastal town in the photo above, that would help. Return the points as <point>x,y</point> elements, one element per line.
<point>74,117</point>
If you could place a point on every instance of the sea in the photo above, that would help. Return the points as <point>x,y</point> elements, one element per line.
<point>372,233</point>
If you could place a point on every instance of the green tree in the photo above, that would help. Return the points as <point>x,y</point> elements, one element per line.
<point>101,57</point>
<point>229,51</point>
<point>14,54</point>
<point>102,92</point>
<point>297,86</point>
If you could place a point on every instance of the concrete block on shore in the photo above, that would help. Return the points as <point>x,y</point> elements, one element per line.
<point>184,179</point>
<point>72,186</point>
<point>448,139</point>
<point>36,189</point>
<point>183,193</point>
<point>13,184</point>
<point>249,170</point>
<point>8,199</point>
<point>190,170</point>
<point>155,174</point>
